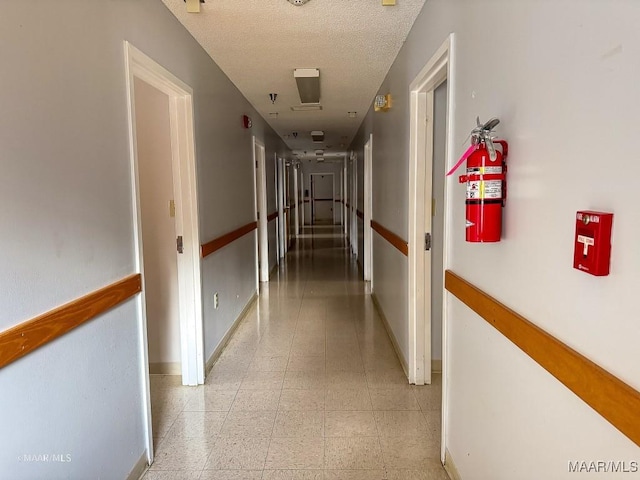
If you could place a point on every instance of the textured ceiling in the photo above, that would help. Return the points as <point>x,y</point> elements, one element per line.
<point>258,44</point>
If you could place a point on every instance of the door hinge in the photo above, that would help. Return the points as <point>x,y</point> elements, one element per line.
<point>427,241</point>
<point>180,244</point>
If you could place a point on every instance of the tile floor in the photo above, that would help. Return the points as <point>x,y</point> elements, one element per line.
<point>308,388</point>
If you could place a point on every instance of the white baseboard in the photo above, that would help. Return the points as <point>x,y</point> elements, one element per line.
<point>139,469</point>
<point>227,336</point>
<point>394,341</point>
<point>450,467</point>
<point>165,368</point>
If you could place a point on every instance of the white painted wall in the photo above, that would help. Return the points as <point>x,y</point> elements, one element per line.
<point>65,183</point>
<point>559,75</point>
<point>153,136</point>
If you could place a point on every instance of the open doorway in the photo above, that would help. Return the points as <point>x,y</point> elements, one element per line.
<point>165,223</point>
<point>159,229</point>
<point>430,147</point>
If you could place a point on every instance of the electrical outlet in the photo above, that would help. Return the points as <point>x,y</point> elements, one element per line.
<point>216,302</point>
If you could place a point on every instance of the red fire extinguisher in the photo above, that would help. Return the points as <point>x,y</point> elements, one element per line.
<point>486,184</point>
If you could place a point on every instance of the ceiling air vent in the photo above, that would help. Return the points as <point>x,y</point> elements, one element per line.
<point>306,108</point>
<point>317,136</point>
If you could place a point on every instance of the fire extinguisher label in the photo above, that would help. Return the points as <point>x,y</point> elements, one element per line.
<point>484,189</point>
<point>486,170</point>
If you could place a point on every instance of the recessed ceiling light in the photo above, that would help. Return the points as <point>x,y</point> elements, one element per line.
<point>308,81</point>
<point>193,6</point>
<point>317,136</point>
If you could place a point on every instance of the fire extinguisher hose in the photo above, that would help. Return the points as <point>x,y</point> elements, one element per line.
<point>464,157</point>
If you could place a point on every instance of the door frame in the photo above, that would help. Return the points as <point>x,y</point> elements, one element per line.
<point>368,214</point>
<point>437,70</point>
<point>260,192</point>
<point>138,65</point>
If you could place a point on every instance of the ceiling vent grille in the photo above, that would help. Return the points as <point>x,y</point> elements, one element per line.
<point>306,108</point>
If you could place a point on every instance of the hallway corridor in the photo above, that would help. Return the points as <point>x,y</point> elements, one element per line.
<point>308,388</point>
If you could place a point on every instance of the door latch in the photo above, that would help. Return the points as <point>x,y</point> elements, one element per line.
<point>427,241</point>
<point>180,244</point>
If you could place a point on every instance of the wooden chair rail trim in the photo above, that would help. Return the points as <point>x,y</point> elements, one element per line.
<point>220,242</point>
<point>616,401</point>
<point>272,216</point>
<point>391,237</point>
<point>359,214</point>
<point>24,338</point>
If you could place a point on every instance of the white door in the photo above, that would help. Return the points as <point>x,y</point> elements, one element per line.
<point>354,203</point>
<point>261,211</point>
<point>368,205</point>
<point>437,222</point>
<point>345,198</point>
<point>322,199</point>
<point>296,202</point>
<point>280,186</point>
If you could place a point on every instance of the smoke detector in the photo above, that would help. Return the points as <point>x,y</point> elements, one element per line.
<point>298,3</point>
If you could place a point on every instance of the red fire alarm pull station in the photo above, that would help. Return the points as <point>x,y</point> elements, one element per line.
<point>592,242</point>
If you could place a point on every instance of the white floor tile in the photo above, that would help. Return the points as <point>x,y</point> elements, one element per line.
<point>309,387</point>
